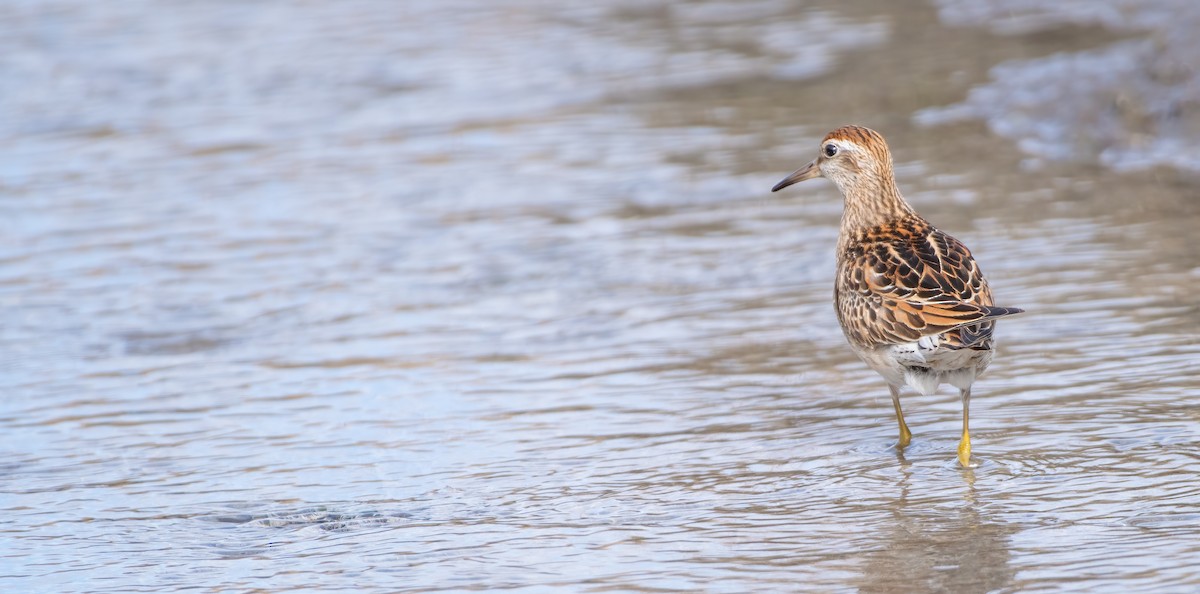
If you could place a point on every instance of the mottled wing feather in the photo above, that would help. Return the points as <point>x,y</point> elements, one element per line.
<point>908,280</point>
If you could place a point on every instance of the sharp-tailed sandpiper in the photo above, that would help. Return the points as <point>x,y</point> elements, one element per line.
<point>910,298</point>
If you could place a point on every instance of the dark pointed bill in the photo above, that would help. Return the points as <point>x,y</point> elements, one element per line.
<point>807,172</point>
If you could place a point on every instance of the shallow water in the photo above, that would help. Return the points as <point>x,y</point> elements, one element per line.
<point>461,296</point>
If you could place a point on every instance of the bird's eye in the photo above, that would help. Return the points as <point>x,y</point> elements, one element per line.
<point>830,150</point>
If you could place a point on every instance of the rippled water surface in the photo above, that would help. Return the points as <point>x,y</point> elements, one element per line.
<point>470,295</point>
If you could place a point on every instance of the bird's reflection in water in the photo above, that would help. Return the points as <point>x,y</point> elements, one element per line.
<point>928,549</point>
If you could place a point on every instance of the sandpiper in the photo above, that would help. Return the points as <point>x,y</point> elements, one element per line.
<point>910,298</point>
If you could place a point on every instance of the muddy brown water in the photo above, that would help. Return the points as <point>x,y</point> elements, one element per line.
<point>453,296</point>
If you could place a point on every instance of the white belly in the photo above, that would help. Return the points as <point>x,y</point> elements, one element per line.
<point>924,365</point>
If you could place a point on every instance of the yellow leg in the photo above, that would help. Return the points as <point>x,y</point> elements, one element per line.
<point>964,446</point>
<point>905,434</point>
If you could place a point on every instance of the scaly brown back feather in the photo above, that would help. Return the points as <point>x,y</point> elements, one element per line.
<point>904,280</point>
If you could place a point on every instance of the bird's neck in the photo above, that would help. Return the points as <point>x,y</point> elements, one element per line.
<point>872,203</point>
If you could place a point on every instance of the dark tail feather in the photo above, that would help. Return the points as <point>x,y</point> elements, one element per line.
<point>974,333</point>
<point>1000,312</point>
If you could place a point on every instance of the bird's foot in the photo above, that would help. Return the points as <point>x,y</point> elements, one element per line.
<point>964,450</point>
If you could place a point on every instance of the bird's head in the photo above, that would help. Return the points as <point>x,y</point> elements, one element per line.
<point>852,157</point>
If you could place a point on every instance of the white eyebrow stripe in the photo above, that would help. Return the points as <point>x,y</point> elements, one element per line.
<point>844,143</point>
